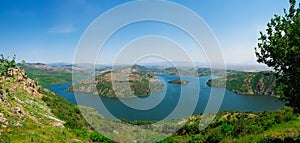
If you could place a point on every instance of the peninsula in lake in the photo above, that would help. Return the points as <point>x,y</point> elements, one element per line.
<point>124,82</point>
<point>179,81</point>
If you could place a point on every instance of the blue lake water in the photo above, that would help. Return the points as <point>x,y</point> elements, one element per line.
<point>159,105</point>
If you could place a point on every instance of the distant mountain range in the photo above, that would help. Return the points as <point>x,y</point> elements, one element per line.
<point>162,65</point>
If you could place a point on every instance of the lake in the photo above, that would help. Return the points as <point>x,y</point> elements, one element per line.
<point>159,105</point>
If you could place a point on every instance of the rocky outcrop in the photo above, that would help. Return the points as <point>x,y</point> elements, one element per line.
<point>28,84</point>
<point>20,101</point>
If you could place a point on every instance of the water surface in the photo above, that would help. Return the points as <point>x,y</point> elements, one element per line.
<point>166,100</point>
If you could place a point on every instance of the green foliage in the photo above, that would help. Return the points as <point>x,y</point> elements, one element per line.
<point>5,64</point>
<point>22,63</point>
<point>188,129</point>
<point>226,129</point>
<point>280,48</point>
<point>81,133</point>
<point>96,137</point>
<point>270,139</point>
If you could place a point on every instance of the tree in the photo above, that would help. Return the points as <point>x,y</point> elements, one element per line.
<point>22,63</point>
<point>279,48</point>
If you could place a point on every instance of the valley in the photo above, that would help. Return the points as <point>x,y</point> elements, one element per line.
<point>48,110</point>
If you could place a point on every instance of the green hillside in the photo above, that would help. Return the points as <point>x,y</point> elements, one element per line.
<point>30,113</point>
<point>251,83</point>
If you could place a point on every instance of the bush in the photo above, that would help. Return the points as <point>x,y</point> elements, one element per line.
<point>96,137</point>
<point>226,129</point>
<point>214,137</point>
<point>5,64</point>
<point>81,133</point>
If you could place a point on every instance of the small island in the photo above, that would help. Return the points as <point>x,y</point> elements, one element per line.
<point>179,81</point>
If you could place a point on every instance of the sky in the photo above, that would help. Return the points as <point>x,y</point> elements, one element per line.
<point>48,31</point>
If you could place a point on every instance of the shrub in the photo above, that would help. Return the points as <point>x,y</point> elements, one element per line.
<point>5,64</point>
<point>226,129</point>
<point>96,137</point>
